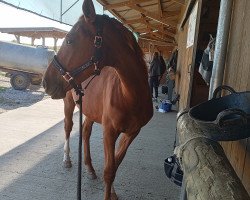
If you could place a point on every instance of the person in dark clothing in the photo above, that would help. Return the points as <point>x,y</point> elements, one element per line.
<point>163,67</point>
<point>154,75</point>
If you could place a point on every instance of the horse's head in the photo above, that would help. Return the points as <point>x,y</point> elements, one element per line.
<point>78,56</point>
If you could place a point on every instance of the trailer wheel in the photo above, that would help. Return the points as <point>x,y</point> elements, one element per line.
<point>20,81</point>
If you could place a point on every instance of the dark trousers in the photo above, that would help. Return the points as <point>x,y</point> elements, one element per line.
<point>153,84</point>
<point>170,89</point>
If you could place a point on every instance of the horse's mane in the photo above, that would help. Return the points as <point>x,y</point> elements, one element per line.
<point>128,38</point>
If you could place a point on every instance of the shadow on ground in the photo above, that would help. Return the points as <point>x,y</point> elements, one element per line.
<point>34,169</point>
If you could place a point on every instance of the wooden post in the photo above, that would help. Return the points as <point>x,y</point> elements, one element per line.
<point>207,172</point>
<point>55,44</point>
<point>33,41</point>
<point>43,38</point>
<point>17,38</point>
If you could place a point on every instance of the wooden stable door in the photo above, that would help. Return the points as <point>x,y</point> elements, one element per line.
<point>187,44</point>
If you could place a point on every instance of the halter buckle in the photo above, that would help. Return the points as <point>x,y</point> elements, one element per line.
<point>97,70</point>
<point>67,77</point>
<point>98,41</point>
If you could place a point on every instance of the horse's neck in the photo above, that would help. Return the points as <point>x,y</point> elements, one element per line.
<point>133,79</point>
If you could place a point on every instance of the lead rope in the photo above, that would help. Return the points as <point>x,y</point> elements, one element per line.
<point>80,92</point>
<point>79,180</point>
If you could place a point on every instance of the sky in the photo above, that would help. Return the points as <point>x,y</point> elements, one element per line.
<point>12,17</point>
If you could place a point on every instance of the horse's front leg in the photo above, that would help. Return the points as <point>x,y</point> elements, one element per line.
<point>69,106</point>
<point>109,138</point>
<point>87,129</point>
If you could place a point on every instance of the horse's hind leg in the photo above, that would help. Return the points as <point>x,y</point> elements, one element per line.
<point>87,129</point>
<point>125,141</point>
<point>69,106</point>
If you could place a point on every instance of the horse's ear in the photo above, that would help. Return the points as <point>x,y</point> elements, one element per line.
<point>88,10</point>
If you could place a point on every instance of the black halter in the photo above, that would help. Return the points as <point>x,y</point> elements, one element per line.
<point>94,60</point>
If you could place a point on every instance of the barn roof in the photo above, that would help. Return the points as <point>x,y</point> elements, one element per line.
<point>153,20</point>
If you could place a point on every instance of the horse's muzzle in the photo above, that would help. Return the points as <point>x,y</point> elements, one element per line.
<point>55,92</point>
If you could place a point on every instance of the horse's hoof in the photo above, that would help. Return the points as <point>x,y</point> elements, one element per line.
<point>91,175</point>
<point>114,196</point>
<point>67,164</point>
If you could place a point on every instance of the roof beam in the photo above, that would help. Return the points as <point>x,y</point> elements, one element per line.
<point>160,8</point>
<point>157,38</point>
<point>131,3</point>
<point>134,21</point>
<point>180,2</point>
<point>155,27</point>
<point>154,30</point>
<point>159,33</point>
<point>122,4</point>
<point>157,42</point>
<point>161,36</point>
<point>161,29</point>
<point>153,16</point>
<point>104,2</point>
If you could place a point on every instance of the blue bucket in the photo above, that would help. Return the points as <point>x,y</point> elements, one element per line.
<point>165,107</point>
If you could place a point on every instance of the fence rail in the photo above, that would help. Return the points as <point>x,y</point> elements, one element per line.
<point>207,172</point>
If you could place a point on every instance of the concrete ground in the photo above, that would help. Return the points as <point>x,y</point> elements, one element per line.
<point>31,153</point>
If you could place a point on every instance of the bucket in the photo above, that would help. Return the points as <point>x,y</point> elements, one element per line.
<point>165,107</point>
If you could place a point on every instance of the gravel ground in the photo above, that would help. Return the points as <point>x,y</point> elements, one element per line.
<point>11,99</point>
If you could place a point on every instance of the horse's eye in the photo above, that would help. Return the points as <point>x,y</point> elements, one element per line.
<point>68,42</point>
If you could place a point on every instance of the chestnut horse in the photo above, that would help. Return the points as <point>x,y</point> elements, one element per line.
<point>119,98</point>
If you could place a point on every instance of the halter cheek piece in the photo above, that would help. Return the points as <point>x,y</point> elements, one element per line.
<point>70,76</point>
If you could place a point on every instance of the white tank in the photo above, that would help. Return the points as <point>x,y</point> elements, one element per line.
<point>25,58</point>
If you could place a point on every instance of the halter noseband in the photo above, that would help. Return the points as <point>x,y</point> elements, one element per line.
<point>69,77</point>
